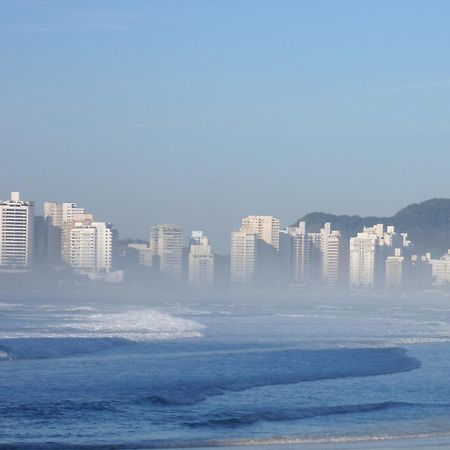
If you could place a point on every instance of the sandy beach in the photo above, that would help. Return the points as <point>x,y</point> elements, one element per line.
<point>428,443</point>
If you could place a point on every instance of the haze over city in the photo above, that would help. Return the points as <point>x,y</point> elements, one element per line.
<point>224,224</point>
<point>199,113</point>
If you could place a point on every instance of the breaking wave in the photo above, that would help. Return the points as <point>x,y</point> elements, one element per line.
<point>85,330</point>
<point>256,369</point>
<point>236,420</point>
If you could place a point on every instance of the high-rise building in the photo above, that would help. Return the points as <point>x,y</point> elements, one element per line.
<point>56,214</point>
<point>66,235</point>
<point>370,251</point>
<point>16,234</point>
<point>89,245</point>
<point>267,262</point>
<point>295,252</point>
<point>440,270</point>
<point>330,255</point>
<point>243,257</point>
<point>201,261</point>
<point>267,228</point>
<point>394,271</point>
<point>362,260</point>
<point>166,245</point>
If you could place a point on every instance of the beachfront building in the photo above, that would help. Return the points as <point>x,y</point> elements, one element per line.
<point>267,228</point>
<point>330,255</point>
<point>166,247</point>
<point>295,252</point>
<point>243,257</point>
<point>370,251</point>
<point>201,261</point>
<point>88,245</point>
<point>362,260</point>
<point>55,215</point>
<point>16,234</point>
<point>394,271</point>
<point>440,270</point>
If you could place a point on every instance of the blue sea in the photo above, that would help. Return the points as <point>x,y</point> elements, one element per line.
<point>92,375</point>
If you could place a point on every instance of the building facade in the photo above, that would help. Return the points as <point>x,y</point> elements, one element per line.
<point>55,215</point>
<point>267,228</point>
<point>89,245</point>
<point>166,246</point>
<point>394,271</point>
<point>201,261</point>
<point>330,241</point>
<point>295,252</point>
<point>243,257</point>
<point>362,260</point>
<point>16,234</point>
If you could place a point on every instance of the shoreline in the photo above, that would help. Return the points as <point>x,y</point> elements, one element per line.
<point>412,442</point>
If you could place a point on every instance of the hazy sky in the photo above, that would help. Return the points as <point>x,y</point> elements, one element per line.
<point>200,112</point>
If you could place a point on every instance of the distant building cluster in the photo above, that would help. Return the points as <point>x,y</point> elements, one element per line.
<point>262,255</point>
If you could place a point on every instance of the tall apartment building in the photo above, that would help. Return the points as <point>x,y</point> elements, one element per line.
<point>201,261</point>
<point>16,234</point>
<point>295,252</point>
<point>88,245</point>
<point>362,260</point>
<point>394,271</point>
<point>267,231</point>
<point>440,270</point>
<point>166,245</point>
<point>56,214</point>
<point>371,251</point>
<point>267,228</point>
<point>243,257</point>
<point>330,255</point>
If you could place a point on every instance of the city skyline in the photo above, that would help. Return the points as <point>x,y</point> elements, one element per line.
<point>379,258</point>
<point>221,246</point>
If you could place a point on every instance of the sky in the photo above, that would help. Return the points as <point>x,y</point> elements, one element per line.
<point>201,112</point>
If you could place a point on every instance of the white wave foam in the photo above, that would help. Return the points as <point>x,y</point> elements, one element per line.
<point>4,355</point>
<point>144,325</point>
<point>9,306</point>
<point>348,439</point>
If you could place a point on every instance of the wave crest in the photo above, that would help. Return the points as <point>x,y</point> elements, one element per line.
<point>236,420</point>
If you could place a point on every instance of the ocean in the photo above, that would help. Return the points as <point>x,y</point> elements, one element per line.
<point>96,376</point>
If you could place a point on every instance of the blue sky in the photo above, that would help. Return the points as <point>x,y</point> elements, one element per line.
<point>200,112</point>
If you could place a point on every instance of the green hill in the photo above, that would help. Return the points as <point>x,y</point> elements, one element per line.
<point>427,224</point>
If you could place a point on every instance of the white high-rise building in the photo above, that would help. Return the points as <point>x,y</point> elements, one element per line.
<point>166,244</point>
<point>201,261</point>
<point>362,260</point>
<point>89,245</point>
<point>56,214</point>
<point>369,254</point>
<point>243,256</point>
<point>16,234</point>
<point>330,255</point>
<point>394,271</point>
<point>297,252</point>
<point>440,270</point>
<point>266,228</point>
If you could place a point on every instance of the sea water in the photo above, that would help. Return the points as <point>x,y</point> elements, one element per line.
<point>97,376</point>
